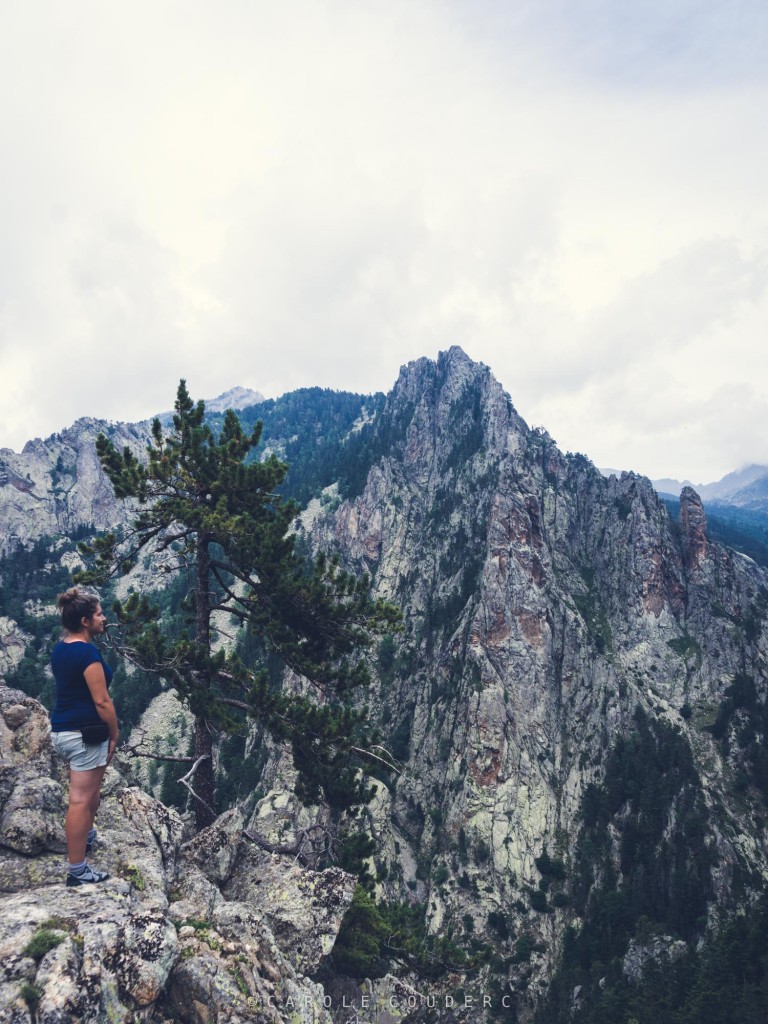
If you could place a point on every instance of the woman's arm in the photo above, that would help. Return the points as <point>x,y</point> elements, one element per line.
<point>97,684</point>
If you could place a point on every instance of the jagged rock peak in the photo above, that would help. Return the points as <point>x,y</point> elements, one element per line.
<point>451,379</point>
<point>451,367</point>
<point>694,521</point>
<point>549,614</point>
<point>86,427</point>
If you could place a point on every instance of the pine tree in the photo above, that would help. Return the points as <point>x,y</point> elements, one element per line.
<point>207,508</point>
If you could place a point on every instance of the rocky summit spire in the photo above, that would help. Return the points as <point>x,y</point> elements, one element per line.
<point>694,521</point>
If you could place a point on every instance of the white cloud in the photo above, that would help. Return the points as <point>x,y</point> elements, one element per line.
<point>285,195</point>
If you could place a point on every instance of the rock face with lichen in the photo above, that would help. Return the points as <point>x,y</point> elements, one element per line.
<point>546,607</point>
<point>694,523</point>
<point>658,951</point>
<point>180,931</point>
<point>57,485</point>
<point>13,643</point>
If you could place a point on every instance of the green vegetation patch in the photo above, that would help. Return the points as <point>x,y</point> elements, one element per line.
<point>650,806</point>
<point>133,874</point>
<point>550,867</point>
<point>42,942</point>
<point>686,647</point>
<point>35,574</point>
<point>741,723</point>
<point>31,995</point>
<point>375,938</point>
<point>313,428</point>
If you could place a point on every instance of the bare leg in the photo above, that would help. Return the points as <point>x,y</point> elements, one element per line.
<point>84,797</point>
<point>96,800</point>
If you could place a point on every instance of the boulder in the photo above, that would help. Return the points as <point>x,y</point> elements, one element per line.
<point>303,908</point>
<point>158,936</point>
<point>32,803</point>
<point>214,850</point>
<point>658,950</point>
<point>110,951</point>
<point>231,970</point>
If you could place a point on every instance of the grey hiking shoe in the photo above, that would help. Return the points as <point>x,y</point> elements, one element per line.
<point>87,877</point>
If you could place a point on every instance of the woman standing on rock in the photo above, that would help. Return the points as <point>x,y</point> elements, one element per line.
<point>83,724</point>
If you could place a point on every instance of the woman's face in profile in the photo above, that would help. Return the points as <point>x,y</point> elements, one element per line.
<point>97,621</point>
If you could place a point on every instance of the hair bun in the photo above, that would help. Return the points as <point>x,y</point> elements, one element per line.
<point>67,597</point>
<point>75,605</point>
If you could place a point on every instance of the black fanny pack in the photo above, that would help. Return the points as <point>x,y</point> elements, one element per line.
<point>94,734</point>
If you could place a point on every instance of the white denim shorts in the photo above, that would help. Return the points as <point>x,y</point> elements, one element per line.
<point>70,746</point>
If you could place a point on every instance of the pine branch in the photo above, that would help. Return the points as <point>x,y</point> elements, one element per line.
<point>173,537</point>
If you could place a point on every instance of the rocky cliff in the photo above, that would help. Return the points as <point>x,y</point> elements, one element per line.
<point>551,616</point>
<point>57,486</point>
<point>578,701</point>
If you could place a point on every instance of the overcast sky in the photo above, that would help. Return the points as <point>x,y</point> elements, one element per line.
<point>281,195</point>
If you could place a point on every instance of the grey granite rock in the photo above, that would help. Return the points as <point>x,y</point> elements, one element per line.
<point>159,935</point>
<point>544,604</point>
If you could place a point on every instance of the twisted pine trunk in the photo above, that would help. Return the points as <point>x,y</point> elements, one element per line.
<point>203,780</point>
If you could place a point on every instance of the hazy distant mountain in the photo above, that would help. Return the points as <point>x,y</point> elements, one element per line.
<point>744,488</point>
<point>725,489</point>
<point>235,398</point>
<point>670,486</point>
<point>754,496</point>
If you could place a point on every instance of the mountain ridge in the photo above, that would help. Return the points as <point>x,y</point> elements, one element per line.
<point>549,609</point>
<point>578,699</point>
<point>746,487</point>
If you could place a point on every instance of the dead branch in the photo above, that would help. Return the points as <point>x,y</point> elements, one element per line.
<point>298,848</point>
<point>230,701</point>
<point>185,781</point>
<point>132,750</point>
<point>159,757</point>
<point>375,757</point>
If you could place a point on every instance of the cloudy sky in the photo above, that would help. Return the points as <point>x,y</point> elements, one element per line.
<point>280,195</point>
